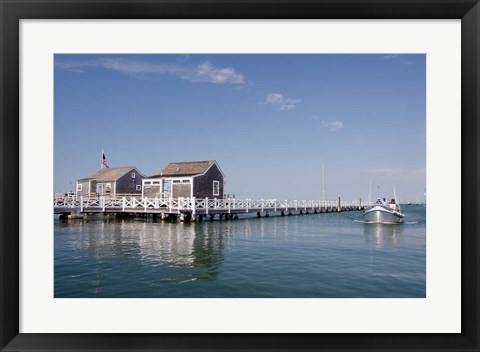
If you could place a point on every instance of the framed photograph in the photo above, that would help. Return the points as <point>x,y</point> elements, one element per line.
<point>239,175</point>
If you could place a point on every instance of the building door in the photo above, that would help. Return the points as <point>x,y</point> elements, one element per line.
<point>167,188</point>
<point>100,188</point>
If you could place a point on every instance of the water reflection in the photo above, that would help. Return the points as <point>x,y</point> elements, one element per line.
<point>154,244</point>
<point>382,234</point>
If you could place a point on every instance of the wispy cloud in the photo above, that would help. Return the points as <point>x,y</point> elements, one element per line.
<point>390,56</point>
<point>400,58</point>
<point>333,125</point>
<point>396,173</point>
<point>203,72</point>
<point>281,102</point>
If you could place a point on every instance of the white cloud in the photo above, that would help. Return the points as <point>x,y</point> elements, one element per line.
<point>390,56</point>
<point>204,72</point>
<point>333,125</point>
<point>281,102</point>
<point>399,58</point>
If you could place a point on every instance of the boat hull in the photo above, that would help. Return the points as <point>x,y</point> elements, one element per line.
<point>379,214</point>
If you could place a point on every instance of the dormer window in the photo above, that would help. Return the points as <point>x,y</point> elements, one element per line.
<point>133,174</point>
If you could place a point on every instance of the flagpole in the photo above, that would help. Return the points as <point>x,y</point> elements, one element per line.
<point>101,158</point>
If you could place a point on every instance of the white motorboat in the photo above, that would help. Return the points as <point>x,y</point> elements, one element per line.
<point>383,212</point>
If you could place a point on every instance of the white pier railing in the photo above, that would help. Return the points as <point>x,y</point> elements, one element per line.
<point>194,205</point>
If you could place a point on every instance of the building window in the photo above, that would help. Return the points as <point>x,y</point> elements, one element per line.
<point>216,188</point>
<point>108,187</point>
<point>133,174</point>
<point>185,181</point>
<point>79,187</point>
<point>176,181</point>
<point>156,182</point>
<point>138,187</point>
<point>147,182</point>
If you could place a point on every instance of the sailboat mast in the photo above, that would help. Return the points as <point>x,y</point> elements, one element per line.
<point>370,194</point>
<point>323,182</point>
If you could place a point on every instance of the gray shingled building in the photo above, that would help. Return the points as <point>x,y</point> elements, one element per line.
<point>112,181</point>
<point>188,179</point>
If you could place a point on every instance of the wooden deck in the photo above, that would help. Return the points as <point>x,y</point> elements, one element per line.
<point>195,209</point>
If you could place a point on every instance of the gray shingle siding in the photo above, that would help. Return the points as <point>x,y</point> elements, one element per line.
<point>203,185</point>
<point>181,190</point>
<point>84,191</point>
<point>151,191</point>
<point>127,184</point>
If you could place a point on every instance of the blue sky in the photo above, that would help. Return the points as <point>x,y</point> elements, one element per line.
<point>270,121</point>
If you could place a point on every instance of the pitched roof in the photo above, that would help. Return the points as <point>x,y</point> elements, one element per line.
<point>111,174</point>
<point>186,168</point>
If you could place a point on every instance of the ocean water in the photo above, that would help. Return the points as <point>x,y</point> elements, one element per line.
<point>302,256</point>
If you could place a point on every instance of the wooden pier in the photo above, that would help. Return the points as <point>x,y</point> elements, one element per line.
<point>194,209</point>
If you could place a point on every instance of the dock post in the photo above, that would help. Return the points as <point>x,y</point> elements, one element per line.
<point>81,204</point>
<point>258,214</point>
<point>194,210</point>
<point>124,201</point>
<point>339,206</point>
<point>359,203</point>
<point>282,213</point>
<point>182,217</point>
<point>206,205</point>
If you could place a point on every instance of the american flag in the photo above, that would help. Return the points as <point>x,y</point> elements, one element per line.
<point>104,161</point>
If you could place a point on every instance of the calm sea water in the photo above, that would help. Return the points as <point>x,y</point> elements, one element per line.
<point>316,255</point>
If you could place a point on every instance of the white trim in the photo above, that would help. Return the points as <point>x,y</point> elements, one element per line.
<point>79,187</point>
<point>141,188</point>
<point>208,168</point>
<point>213,190</point>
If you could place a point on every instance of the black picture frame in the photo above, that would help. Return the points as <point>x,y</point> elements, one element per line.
<point>14,10</point>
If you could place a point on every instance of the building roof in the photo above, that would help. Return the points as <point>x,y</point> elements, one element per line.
<point>110,174</point>
<point>185,168</point>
